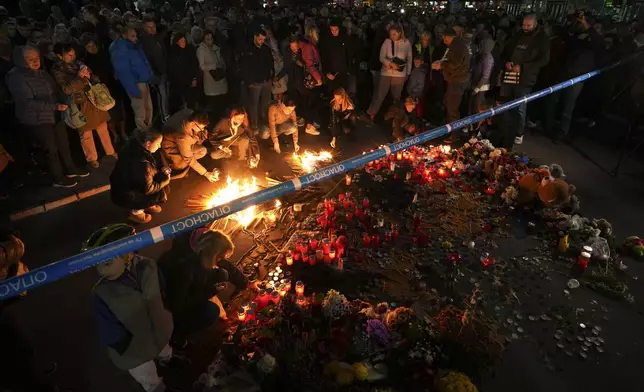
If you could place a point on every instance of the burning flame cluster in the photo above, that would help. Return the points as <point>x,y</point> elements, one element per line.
<point>235,189</point>
<point>309,160</point>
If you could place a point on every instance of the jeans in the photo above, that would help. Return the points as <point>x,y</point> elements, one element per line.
<point>385,83</point>
<point>258,97</point>
<point>89,147</point>
<point>142,107</point>
<point>513,121</point>
<point>162,97</point>
<point>453,99</point>
<point>241,144</point>
<point>287,128</point>
<point>568,98</point>
<point>146,374</point>
<point>52,138</point>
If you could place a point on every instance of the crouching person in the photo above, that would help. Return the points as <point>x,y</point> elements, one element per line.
<point>133,323</point>
<point>201,281</point>
<point>282,120</point>
<point>405,120</point>
<point>183,135</point>
<point>138,182</point>
<point>234,131</point>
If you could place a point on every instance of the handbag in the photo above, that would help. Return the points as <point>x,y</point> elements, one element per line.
<point>217,74</point>
<point>99,96</point>
<point>72,116</point>
<point>400,63</point>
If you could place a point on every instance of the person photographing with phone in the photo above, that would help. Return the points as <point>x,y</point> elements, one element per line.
<point>522,58</point>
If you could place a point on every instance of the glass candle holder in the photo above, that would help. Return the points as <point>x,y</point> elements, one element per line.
<point>241,315</point>
<point>299,288</point>
<point>313,244</point>
<point>347,179</point>
<point>289,259</point>
<point>332,253</point>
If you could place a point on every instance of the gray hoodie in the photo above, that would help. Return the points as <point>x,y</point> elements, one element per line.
<point>33,92</point>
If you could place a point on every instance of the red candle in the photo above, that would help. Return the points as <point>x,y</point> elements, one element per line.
<point>387,236</point>
<point>304,248</point>
<point>314,244</point>
<point>423,240</point>
<point>418,219</point>
<point>366,240</point>
<point>442,172</point>
<point>365,203</point>
<point>312,258</point>
<point>326,246</point>
<point>346,203</point>
<point>296,255</point>
<point>358,212</point>
<point>305,257</point>
<point>319,255</point>
<point>341,197</point>
<point>375,241</point>
<point>583,260</point>
<point>349,216</point>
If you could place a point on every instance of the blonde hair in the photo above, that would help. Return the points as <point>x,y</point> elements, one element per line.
<point>213,243</point>
<point>309,31</point>
<point>344,103</point>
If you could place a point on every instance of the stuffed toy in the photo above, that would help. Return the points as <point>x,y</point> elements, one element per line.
<point>497,159</point>
<point>553,191</point>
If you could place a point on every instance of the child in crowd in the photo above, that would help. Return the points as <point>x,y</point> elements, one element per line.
<point>405,119</point>
<point>416,82</point>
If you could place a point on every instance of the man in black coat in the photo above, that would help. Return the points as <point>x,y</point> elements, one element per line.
<point>337,56</point>
<point>257,73</point>
<point>524,55</point>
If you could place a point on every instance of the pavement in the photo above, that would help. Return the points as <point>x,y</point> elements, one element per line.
<point>58,319</point>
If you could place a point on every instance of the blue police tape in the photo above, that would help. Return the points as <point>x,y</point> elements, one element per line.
<point>63,268</point>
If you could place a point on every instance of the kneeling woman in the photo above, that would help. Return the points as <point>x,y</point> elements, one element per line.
<point>199,279</point>
<point>138,182</point>
<point>343,117</point>
<point>234,132</point>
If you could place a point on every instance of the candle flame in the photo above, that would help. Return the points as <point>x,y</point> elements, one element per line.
<point>235,189</point>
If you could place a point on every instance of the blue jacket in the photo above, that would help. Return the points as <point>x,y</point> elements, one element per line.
<point>130,65</point>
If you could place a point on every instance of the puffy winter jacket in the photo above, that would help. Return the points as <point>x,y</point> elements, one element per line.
<point>130,65</point>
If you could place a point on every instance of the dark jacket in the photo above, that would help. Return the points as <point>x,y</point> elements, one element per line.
<point>581,50</point>
<point>156,53</point>
<point>531,51</point>
<point>256,64</point>
<point>336,54</point>
<point>136,182</point>
<point>222,134</point>
<point>404,122</point>
<point>183,67</point>
<point>33,92</point>
<point>342,122</point>
<point>456,67</point>
<point>130,65</point>
<point>294,70</point>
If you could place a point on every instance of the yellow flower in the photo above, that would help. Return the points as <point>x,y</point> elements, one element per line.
<point>361,371</point>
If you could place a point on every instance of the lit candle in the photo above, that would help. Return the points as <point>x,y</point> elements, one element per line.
<point>319,255</point>
<point>326,245</point>
<point>282,290</point>
<point>289,259</point>
<point>297,207</point>
<point>241,315</point>
<point>381,221</point>
<point>299,288</point>
<point>275,297</point>
<point>392,166</point>
<point>442,172</point>
<point>399,156</point>
<point>314,244</point>
<point>347,179</point>
<point>245,305</point>
<point>287,285</point>
<point>332,254</point>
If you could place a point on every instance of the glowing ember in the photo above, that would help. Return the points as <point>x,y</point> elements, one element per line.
<point>309,161</point>
<point>235,189</point>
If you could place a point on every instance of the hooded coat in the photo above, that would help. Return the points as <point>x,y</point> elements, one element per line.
<point>33,92</point>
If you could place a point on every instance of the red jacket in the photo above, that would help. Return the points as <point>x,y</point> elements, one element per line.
<point>311,57</point>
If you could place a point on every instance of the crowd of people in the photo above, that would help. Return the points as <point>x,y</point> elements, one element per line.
<point>180,69</point>
<point>197,80</point>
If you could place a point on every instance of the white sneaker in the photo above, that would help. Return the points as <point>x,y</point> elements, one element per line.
<point>301,122</point>
<point>312,131</point>
<point>518,140</point>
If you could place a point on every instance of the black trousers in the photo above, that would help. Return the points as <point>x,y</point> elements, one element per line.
<point>52,139</point>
